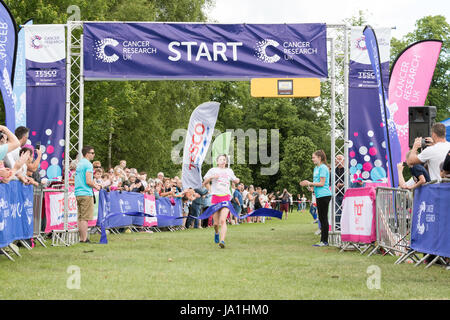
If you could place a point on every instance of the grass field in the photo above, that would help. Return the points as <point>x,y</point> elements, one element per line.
<point>273,261</point>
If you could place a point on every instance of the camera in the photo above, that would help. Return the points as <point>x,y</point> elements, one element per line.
<point>1,135</point>
<point>424,143</point>
<point>405,164</point>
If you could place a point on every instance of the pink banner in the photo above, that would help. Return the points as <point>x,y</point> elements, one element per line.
<point>54,210</point>
<point>409,82</point>
<point>358,223</point>
<point>150,208</point>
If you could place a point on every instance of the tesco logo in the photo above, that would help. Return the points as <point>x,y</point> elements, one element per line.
<point>46,73</point>
<point>194,147</point>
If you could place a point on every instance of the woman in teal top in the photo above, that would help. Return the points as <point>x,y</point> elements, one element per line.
<point>321,184</point>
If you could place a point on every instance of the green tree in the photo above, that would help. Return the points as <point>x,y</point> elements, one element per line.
<point>296,164</point>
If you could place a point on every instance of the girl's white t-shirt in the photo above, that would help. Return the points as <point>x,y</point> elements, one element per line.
<point>220,186</point>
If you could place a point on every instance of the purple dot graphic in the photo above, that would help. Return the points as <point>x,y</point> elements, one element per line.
<point>60,122</point>
<point>373,151</point>
<point>50,149</point>
<point>352,154</point>
<point>33,133</point>
<point>355,134</point>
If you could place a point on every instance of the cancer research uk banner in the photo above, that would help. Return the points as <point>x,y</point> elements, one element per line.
<point>367,145</point>
<point>20,79</point>
<point>409,82</point>
<point>431,220</point>
<point>203,51</point>
<point>8,46</point>
<point>16,212</point>
<point>46,94</point>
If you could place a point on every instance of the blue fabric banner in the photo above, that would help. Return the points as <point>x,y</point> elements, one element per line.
<point>16,212</point>
<point>46,95</point>
<point>20,80</point>
<point>393,150</point>
<point>8,40</point>
<point>367,144</point>
<point>167,213</point>
<point>124,51</point>
<point>430,229</point>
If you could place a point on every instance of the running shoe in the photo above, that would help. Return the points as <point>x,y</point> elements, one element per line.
<point>222,244</point>
<point>321,244</point>
<point>216,238</point>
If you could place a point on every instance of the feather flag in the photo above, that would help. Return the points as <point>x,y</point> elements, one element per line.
<point>8,40</point>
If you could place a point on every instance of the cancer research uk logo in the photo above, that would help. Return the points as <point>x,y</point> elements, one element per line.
<point>289,50</point>
<point>428,210</point>
<point>99,49</point>
<point>36,42</point>
<point>129,49</point>
<point>40,41</point>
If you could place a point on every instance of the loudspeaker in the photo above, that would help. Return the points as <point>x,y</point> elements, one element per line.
<point>420,120</point>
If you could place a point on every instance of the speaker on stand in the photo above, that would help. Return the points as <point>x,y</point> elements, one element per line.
<point>420,120</point>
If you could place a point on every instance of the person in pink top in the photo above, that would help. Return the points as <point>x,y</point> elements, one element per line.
<point>220,178</point>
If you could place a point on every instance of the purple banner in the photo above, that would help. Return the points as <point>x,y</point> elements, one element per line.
<point>46,95</point>
<point>367,145</point>
<point>8,47</point>
<point>124,51</point>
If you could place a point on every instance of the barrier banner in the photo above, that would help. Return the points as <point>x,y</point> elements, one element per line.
<point>54,210</point>
<point>117,204</point>
<point>8,40</point>
<point>150,208</point>
<point>146,50</point>
<point>367,145</point>
<point>390,131</point>
<point>16,212</point>
<point>198,138</point>
<point>46,94</point>
<point>431,220</point>
<point>20,80</point>
<point>409,82</point>
<point>358,223</point>
<point>165,210</point>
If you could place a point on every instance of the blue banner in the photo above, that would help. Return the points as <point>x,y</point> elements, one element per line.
<point>46,95</point>
<point>16,212</point>
<point>124,51</point>
<point>20,80</point>
<point>431,220</point>
<point>8,47</point>
<point>166,209</point>
<point>393,150</point>
<point>367,145</point>
<point>121,209</point>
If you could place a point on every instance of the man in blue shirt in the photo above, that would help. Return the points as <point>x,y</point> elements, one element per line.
<point>84,182</point>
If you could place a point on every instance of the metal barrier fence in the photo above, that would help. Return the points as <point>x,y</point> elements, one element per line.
<point>38,201</point>
<point>394,209</point>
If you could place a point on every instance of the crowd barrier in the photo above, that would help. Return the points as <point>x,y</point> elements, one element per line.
<point>397,222</point>
<point>114,205</point>
<point>430,229</point>
<point>393,222</point>
<point>16,215</point>
<point>358,227</point>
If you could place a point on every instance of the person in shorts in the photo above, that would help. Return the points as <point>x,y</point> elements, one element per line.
<point>84,182</point>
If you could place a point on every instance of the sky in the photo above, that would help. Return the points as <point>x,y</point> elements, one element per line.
<point>401,14</point>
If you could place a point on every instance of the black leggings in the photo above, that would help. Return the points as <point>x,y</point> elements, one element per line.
<point>322,207</point>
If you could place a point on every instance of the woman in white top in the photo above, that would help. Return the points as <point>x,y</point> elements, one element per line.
<point>220,178</point>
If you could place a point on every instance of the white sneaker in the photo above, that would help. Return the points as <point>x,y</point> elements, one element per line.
<point>317,232</point>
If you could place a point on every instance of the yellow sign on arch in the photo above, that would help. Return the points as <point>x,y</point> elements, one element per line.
<point>285,87</point>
